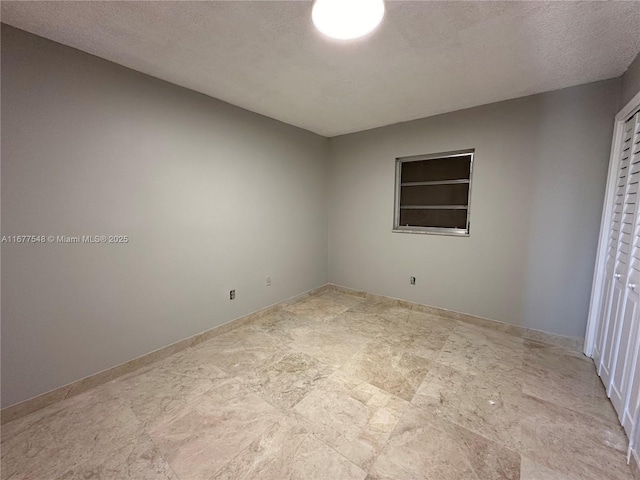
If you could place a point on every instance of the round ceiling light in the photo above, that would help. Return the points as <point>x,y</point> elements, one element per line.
<point>347,19</point>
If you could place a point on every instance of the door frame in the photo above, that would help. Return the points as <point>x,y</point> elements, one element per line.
<point>605,223</point>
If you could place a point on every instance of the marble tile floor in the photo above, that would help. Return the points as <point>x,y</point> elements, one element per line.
<point>335,387</point>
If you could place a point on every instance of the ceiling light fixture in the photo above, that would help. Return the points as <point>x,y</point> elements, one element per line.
<point>347,19</point>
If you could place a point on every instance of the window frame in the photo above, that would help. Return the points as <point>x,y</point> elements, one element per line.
<point>457,232</point>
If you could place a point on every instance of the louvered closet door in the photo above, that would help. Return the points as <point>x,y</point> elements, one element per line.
<point>626,343</point>
<point>632,405</point>
<point>618,254</point>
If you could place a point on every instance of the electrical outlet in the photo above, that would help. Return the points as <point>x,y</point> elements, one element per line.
<point>412,280</point>
<point>232,294</point>
<point>268,280</point>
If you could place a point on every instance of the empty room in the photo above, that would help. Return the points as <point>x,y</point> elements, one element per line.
<point>328,239</point>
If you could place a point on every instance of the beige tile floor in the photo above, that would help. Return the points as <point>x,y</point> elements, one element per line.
<point>335,387</point>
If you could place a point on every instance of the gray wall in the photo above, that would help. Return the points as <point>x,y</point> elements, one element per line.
<point>538,187</point>
<point>212,197</point>
<point>630,82</point>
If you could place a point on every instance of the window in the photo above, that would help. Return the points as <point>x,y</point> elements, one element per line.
<point>433,193</point>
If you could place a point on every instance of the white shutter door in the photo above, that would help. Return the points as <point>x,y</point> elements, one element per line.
<point>626,341</point>
<point>617,259</point>
<point>630,414</point>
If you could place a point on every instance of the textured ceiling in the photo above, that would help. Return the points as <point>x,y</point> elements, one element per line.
<point>426,58</point>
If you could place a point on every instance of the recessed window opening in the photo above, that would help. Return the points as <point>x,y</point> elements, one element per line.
<point>433,193</point>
